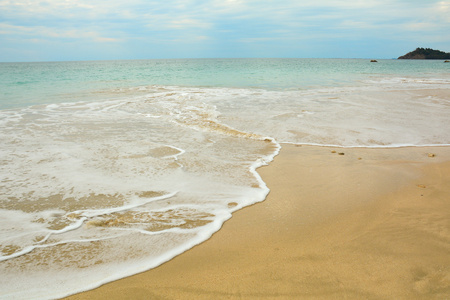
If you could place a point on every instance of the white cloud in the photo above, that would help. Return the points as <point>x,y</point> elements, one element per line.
<point>441,11</point>
<point>188,23</point>
<point>40,33</point>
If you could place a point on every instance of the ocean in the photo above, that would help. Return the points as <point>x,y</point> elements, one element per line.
<point>110,168</point>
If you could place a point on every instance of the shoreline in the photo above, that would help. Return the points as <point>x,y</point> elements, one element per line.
<point>357,223</point>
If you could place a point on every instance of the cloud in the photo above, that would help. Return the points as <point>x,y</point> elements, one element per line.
<point>223,23</point>
<point>184,24</point>
<point>41,33</point>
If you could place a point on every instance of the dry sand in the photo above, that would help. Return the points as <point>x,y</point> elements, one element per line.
<point>368,224</point>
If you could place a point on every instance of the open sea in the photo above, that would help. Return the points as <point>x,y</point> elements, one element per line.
<point>110,168</point>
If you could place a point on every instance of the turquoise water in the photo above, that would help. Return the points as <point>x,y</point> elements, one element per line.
<point>23,84</point>
<point>110,168</point>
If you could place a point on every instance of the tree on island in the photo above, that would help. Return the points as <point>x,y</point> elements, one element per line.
<point>426,53</point>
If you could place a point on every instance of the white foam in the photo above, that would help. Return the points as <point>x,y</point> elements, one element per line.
<point>76,146</point>
<point>105,211</point>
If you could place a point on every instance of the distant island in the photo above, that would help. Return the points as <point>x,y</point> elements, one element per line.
<point>426,53</point>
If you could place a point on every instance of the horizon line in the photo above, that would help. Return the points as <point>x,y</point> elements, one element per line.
<point>189,58</point>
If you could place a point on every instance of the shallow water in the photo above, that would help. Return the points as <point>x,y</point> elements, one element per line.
<point>112,168</point>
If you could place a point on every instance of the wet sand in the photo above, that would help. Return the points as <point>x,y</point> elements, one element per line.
<point>338,224</point>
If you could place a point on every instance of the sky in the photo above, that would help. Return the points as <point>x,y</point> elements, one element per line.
<point>62,30</point>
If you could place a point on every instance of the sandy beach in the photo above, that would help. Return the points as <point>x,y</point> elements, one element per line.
<point>339,223</point>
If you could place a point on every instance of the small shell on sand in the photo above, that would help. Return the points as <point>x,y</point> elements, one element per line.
<point>422,186</point>
<point>341,153</point>
<point>431,155</point>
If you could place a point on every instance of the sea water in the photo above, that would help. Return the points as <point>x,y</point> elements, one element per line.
<point>110,168</point>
